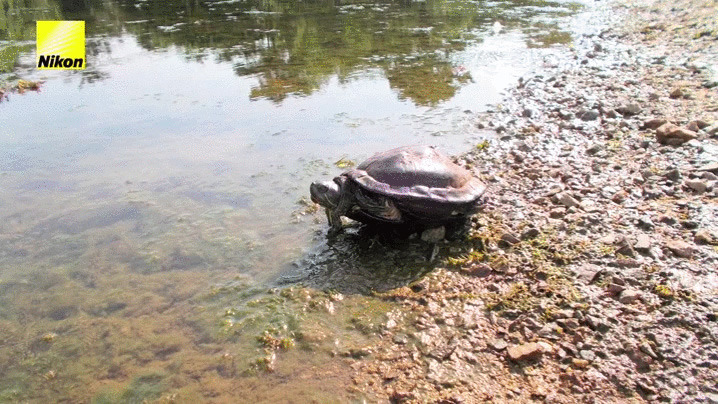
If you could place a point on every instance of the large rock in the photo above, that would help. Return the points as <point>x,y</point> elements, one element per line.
<point>672,135</point>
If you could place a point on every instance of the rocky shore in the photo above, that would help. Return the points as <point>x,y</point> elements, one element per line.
<point>591,275</point>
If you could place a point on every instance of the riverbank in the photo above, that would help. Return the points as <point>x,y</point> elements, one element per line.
<point>590,276</point>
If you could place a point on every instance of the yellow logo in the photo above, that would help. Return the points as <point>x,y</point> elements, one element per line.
<point>61,45</point>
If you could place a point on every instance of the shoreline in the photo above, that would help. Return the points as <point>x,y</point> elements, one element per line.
<point>590,276</point>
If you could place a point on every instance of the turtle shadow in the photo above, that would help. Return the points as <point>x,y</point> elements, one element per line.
<point>362,260</point>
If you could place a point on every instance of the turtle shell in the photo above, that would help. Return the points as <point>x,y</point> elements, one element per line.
<point>422,182</point>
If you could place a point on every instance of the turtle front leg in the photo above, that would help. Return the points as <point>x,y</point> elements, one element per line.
<point>335,222</point>
<point>346,200</point>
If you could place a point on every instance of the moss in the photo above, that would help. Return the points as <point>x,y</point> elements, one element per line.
<point>483,145</point>
<point>664,291</point>
<point>517,297</point>
<point>471,257</point>
<point>344,163</point>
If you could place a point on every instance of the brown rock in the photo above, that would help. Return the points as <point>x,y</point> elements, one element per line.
<point>629,296</point>
<point>697,185</point>
<point>654,123</point>
<point>530,350</point>
<point>672,135</point>
<point>711,167</point>
<point>587,273</point>
<point>680,248</point>
<point>557,213</point>
<point>619,196</point>
<point>677,93</point>
<point>706,236</point>
<point>697,125</point>
<point>478,270</point>
<point>643,243</point>
<point>510,238</point>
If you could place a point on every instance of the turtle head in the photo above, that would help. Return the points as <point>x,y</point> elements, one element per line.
<point>326,193</point>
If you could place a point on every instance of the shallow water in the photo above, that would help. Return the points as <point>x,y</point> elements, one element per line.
<point>152,202</point>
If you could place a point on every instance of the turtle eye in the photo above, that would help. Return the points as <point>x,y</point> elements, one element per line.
<point>323,188</point>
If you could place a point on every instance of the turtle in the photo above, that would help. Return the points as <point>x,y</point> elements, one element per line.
<point>415,186</point>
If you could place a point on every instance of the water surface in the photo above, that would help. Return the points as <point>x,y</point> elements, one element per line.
<point>151,204</point>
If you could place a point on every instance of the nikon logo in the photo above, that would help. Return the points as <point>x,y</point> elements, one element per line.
<point>61,45</point>
<point>57,62</point>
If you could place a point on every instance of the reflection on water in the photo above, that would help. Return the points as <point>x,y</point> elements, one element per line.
<point>151,203</point>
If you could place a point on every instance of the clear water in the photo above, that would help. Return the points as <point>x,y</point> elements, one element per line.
<point>149,202</point>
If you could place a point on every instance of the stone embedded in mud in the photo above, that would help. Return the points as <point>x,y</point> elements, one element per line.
<point>531,350</point>
<point>672,135</point>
